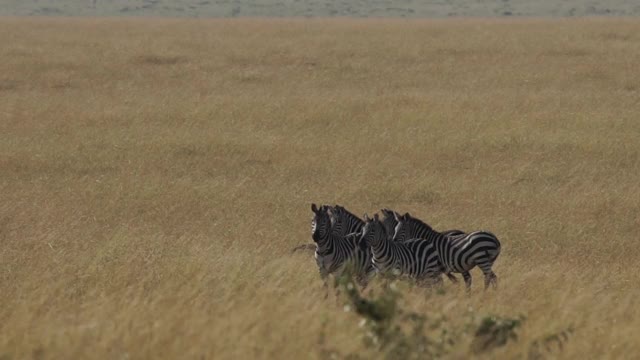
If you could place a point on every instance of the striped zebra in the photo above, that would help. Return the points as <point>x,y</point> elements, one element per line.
<point>415,258</point>
<point>335,251</point>
<point>457,253</point>
<point>391,221</point>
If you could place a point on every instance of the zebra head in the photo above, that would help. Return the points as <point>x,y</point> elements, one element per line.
<point>343,221</point>
<point>373,232</point>
<point>390,222</point>
<point>401,230</point>
<point>321,222</point>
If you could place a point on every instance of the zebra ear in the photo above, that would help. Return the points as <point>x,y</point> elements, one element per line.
<point>314,208</point>
<point>366,217</point>
<point>375,216</point>
<point>396,216</point>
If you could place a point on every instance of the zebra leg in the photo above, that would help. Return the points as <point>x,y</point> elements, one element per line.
<point>325,287</point>
<point>489,276</point>
<point>438,283</point>
<point>467,280</point>
<point>452,277</point>
<point>325,284</point>
<point>492,279</point>
<point>366,278</point>
<point>363,281</point>
<point>337,283</point>
<point>363,276</point>
<point>430,281</point>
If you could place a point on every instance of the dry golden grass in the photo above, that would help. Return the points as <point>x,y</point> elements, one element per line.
<point>154,175</point>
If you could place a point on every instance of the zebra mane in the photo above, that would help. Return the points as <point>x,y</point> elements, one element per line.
<point>389,215</point>
<point>341,211</point>
<point>410,220</point>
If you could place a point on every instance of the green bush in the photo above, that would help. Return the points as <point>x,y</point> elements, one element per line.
<point>495,331</point>
<point>392,332</point>
<point>548,344</point>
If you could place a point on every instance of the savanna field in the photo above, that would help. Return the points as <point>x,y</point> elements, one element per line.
<point>155,175</point>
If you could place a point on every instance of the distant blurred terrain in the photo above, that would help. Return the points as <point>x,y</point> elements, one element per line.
<point>316,8</point>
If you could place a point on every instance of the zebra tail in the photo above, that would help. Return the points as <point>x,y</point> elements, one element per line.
<point>310,247</point>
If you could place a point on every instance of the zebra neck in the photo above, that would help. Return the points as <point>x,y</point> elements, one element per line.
<point>327,244</point>
<point>437,237</point>
<point>380,245</point>
<point>429,234</point>
<point>341,230</point>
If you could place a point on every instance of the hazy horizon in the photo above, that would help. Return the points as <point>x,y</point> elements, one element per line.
<point>311,8</point>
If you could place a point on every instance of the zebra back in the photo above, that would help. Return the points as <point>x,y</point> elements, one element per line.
<point>409,227</point>
<point>460,253</point>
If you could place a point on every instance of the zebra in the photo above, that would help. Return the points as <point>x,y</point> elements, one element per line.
<point>391,221</point>
<point>458,252</point>
<point>415,258</point>
<point>333,251</point>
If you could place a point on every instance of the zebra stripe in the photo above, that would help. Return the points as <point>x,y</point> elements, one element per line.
<point>389,222</point>
<point>344,222</point>
<point>418,230</point>
<point>333,251</point>
<point>415,258</point>
<point>457,253</point>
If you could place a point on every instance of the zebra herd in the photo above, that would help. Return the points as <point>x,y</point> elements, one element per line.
<point>398,244</point>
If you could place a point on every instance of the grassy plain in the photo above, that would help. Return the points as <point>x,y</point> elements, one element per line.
<point>154,175</point>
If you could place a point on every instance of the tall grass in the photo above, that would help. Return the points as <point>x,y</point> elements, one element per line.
<point>154,175</point>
